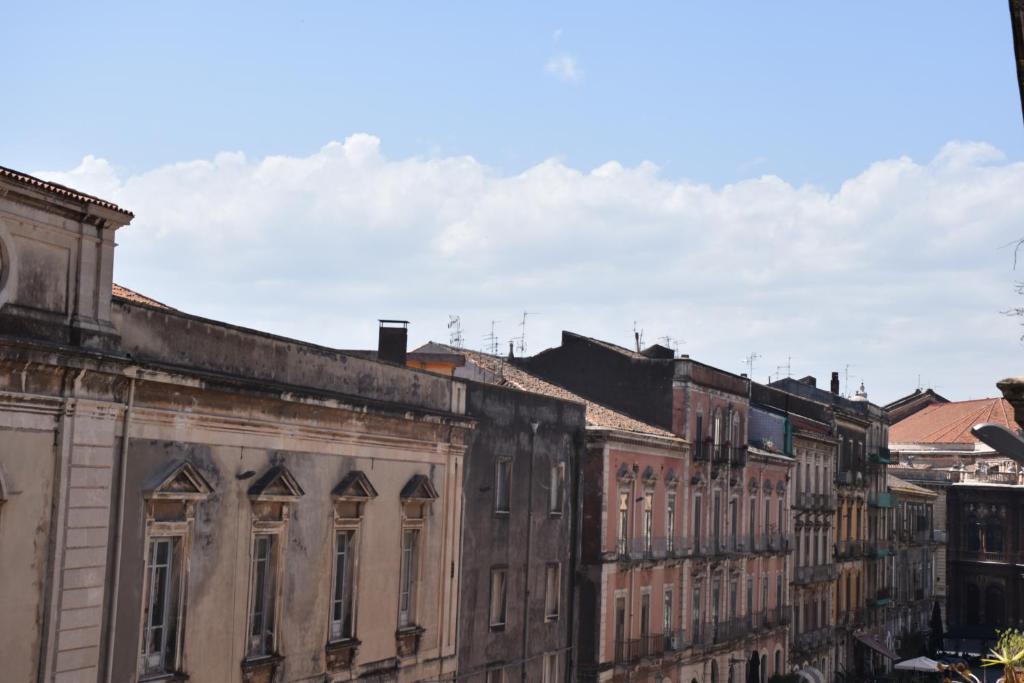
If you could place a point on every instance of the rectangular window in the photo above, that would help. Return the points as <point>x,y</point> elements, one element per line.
<point>341,601</point>
<point>502,483</point>
<point>648,521</point>
<point>408,577</point>
<point>162,605</point>
<point>552,590</point>
<point>496,676</point>
<point>557,488</point>
<point>623,521</point>
<point>666,617</point>
<point>670,521</point>
<point>262,609</point>
<point>620,626</point>
<point>753,523</point>
<point>551,668</point>
<point>734,521</point>
<point>696,524</point>
<point>733,588</point>
<point>696,613</point>
<point>716,520</point>
<point>645,615</point>
<point>499,597</point>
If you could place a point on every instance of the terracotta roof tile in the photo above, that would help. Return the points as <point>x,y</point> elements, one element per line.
<point>57,188</point>
<point>597,415</point>
<point>120,292</point>
<point>951,422</point>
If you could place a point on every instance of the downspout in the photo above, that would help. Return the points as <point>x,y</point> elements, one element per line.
<point>119,524</point>
<point>534,426</point>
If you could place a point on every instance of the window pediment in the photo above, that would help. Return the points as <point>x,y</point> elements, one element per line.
<point>355,486</point>
<point>649,475</point>
<point>419,488</point>
<point>624,473</point>
<point>278,485</point>
<point>671,478</point>
<point>183,482</point>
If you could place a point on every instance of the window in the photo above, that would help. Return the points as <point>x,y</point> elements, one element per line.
<point>551,668</point>
<point>645,616</point>
<point>499,597</point>
<point>162,605</point>
<point>623,520</point>
<point>502,482</point>
<point>557,488</point>
<point>648,520</point>
<point>732,598</point>
<point>696,524</point>
<point>341,601</point>
<point>696,614</point>
<point>716,520</point>
<point>552,590</point>
<point>263,603</point>
<point>670,521</point>
<point>408,576</point>
<point>666,620</point>
<point>753,523</point>
<point>496,676</point>
<point>699,436</point>
<point>734,520</point>
<point>782,516</point>
<point>620,626</point>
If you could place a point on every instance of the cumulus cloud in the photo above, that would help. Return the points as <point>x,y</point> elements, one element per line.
<point>898,272</point>
<point>564,68</point>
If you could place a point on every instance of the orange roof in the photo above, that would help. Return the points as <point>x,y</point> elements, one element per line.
<point>120,292</point>
<point>952,422</point>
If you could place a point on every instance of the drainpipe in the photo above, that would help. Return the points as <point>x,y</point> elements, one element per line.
<point>119,523</point>
<point>534,426</point>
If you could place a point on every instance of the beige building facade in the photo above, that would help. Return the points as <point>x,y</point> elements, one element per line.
<point>184,499</point>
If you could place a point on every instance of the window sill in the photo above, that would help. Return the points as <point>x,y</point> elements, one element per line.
<point>549,618</point>
<point>502,513</point>
<point>341,653</point>
<point>555,515</point>
<point>497,628</point>
<point>261,669</point>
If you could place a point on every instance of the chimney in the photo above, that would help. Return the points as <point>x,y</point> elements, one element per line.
<point>391,340</point>
<point>835,383</point>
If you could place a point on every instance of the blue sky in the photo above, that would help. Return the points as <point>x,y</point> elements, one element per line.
<point>827,181</point>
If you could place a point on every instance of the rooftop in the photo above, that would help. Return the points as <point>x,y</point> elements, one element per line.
<point>120,292</point>
<point>894,483</point>
<point>56,188</point>
<point>950,423</point>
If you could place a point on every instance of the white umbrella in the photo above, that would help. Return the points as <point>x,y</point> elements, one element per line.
<point>918,664</point>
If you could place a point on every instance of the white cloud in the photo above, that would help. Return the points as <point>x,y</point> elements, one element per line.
<point>899,272</point>
<point>564,68</point>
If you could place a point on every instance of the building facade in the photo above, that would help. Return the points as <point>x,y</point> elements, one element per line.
<point>185,499</point>
<point>733,506</point>
<point>914,560</point>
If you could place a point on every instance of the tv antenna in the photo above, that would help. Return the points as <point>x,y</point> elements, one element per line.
<point>520,341</point>
<point>672,343</point>
<point>638,337</point>
<point>788,367</point>
<point>846,380</point>
<point>492,339</point>
<point>455,337</point>
<point>749,362</point>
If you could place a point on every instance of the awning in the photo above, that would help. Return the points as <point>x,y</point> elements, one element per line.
<point>811,675</point>
<point>876,645</point>
<point>918,664</point>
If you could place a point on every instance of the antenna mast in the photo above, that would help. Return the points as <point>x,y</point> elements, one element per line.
<point>749,361</point>
<point>492,339</point>
<point>846,380</point>
<point>638,337</point>
<point>455,337</point>
<point>521,339</point>
<point>788,367</point>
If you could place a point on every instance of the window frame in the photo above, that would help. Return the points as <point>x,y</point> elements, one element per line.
<point>409,574</point>
<point>556,499</point>
<point>271,598</point>
<point>552,598</point>
<point>498,624</point>
<point>502,468</point>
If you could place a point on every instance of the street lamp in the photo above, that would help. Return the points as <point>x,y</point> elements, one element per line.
<point>1001,440</point>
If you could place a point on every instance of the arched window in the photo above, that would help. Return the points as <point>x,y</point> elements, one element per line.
<point>717,428</point>
<point>714,671</point>
<point>778,663</point>
<point>994,536</point>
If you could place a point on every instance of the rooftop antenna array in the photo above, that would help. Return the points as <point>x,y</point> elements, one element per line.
<point>455,337</point>
<point>492,340</point>
<point>520,341</point>
<point>749,362</point>
<point>788,367</point>
<point>846,380</point>
<point>672,343</point>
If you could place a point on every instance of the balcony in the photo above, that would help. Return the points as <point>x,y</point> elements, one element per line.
<point>938,535</point>
<point>812,640</point>
<point>778,543</point>
<point>880,549</point>
<point>882,456</point>
<point>739,456</point>
<point>731,629</point>
<point>848,550</point>
<point>880,500</point>
<point>816,574</point>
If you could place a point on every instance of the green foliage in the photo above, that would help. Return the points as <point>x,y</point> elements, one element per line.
<point>1008,653</point>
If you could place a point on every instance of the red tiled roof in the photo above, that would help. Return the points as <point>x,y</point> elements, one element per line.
<point>62,190</point>
<point>596,414</point>
<point>952,422</point>
<point>120,292</point>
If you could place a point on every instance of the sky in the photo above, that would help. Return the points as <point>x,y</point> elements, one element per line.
<point>828,186</point>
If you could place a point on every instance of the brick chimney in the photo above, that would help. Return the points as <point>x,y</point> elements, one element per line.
<point>834,386</point>
<point>392,337</point>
